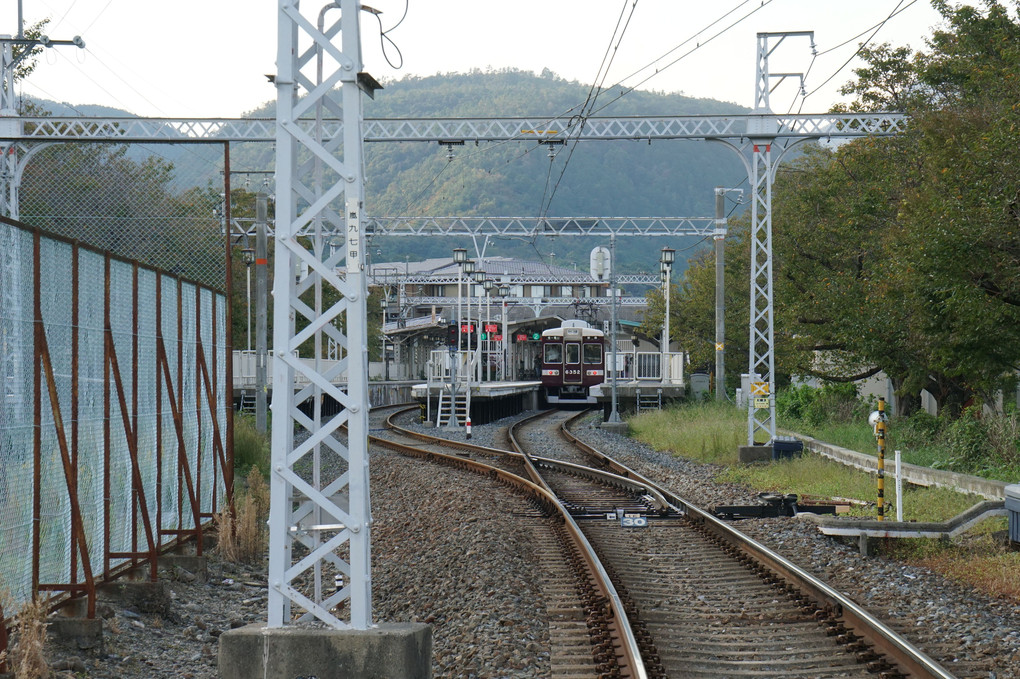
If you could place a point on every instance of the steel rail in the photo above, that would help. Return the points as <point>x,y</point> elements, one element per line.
<point>895,648</point>
<point>629,645</point>
<point>630,661</point>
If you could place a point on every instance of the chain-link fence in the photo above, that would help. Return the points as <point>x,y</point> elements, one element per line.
<point>160,204</point>
<point>114,413</point>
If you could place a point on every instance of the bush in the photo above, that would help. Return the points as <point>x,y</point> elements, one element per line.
<point>251,448</point>
<point>28,651</point>
<point>833,402</point>
<point>920,429</point>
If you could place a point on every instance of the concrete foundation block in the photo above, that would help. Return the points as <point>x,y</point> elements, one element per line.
<point>83,634</point>
<point>145,597</point>
<point>182,564</point>
<point>748,454</point>
<point>615,427</point>
<point>392,651</point>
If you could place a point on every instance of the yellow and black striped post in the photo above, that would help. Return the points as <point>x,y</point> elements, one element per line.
<point>880,433</point>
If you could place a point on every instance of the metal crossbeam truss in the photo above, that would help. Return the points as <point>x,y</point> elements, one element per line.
<point>522,226</point>
<point>518,279</point>
<point>319,479</point>
<point>443,130</point>
<point>543,301</point>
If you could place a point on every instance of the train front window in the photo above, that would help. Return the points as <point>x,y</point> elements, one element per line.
<point>592,353</point>
<point>573,353</point>
<point>553,353</point>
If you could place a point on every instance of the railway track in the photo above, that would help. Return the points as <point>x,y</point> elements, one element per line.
<point>684,594</point>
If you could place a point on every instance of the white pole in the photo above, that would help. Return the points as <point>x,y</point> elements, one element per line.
<point>899,488</point>
<point>488,361</point>
<point>460,270</point>
<point>667,373</point>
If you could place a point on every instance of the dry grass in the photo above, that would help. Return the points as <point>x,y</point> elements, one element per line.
<point>996,575</point>
<point>28,650</point>
<point>980,558</point>
<point>242,533</point>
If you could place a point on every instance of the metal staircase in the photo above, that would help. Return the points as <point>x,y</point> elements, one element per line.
<point>461,406</point>
<point>649,400</point>
<point>247,402</point>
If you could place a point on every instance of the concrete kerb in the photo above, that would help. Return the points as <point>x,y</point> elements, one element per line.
<point>919,476</point>
<point>387,651</point>
<point>865,529</point>
<point>620,428</point>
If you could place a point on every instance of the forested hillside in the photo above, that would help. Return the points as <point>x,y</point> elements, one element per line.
<point>898,254</point>
<point>621,178</point>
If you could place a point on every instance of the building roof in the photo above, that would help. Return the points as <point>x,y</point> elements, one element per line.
<point>502,268</point>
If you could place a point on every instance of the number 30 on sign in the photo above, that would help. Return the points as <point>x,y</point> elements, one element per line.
<point>633,521</point>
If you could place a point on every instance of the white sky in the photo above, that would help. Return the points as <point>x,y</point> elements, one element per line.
<point>208,58</point>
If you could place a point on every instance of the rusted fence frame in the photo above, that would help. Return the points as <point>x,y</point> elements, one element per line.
<point>112,374</point>
<point>43,365</point>
<point>182,459</point>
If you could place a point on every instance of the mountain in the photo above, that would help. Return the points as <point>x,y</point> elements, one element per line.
<point>586,179</point>
<point>611,178</point>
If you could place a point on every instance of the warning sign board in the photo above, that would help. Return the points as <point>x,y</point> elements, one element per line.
<point>759,388</point>
<point>761,402</point>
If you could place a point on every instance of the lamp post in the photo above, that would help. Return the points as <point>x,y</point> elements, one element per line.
<point>384,304</point>
<point>666,260</point>
<point>478,276</point>
<point>459,257</point>
<point>487,284</point>
<point>248,257</point>
<point>504,292</point>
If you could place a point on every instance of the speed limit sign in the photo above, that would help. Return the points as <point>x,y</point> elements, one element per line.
<point>633,521</point>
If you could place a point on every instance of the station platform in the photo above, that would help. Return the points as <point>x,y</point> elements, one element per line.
<point>485,401</point>
<point>635,396</point>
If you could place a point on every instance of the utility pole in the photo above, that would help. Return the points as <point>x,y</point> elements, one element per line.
<point>720,300</point>
<point>614,414</point>
<point>10,124</point>
<point>720,286</point>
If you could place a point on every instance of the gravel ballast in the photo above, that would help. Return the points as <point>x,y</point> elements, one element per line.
<point>472,577</point>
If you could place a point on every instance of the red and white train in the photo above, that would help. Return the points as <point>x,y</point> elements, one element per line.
<point>573,361</point>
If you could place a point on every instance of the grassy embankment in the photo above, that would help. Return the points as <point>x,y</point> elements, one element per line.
<point>712,432</point>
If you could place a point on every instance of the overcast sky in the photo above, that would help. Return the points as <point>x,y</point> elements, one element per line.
<point>208,58</point>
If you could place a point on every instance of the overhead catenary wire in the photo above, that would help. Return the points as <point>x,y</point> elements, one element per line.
<point>589,103</point>
<point>625,90</point>
<point>384,38</point>
<point>874,31</point>
<point>591,110</point>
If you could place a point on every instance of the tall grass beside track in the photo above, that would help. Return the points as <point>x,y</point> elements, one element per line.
<point>710,432</point>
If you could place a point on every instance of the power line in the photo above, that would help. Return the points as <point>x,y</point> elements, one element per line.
<point>587,107</point>
<point>628,89</point>
<point>877,27</point>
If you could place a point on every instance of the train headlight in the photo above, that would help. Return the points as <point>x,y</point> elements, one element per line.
<point>550,373</point>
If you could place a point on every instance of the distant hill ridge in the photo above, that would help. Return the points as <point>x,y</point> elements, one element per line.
<point>613,178</point>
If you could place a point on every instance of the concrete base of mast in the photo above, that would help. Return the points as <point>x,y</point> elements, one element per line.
<point>391,651</point>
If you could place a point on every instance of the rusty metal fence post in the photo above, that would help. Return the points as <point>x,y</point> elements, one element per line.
<point>101,469</point>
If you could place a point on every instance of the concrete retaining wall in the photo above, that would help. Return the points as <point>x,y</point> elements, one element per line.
<point>920,476</point>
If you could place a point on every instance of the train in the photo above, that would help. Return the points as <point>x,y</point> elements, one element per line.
<point>573,360</point>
